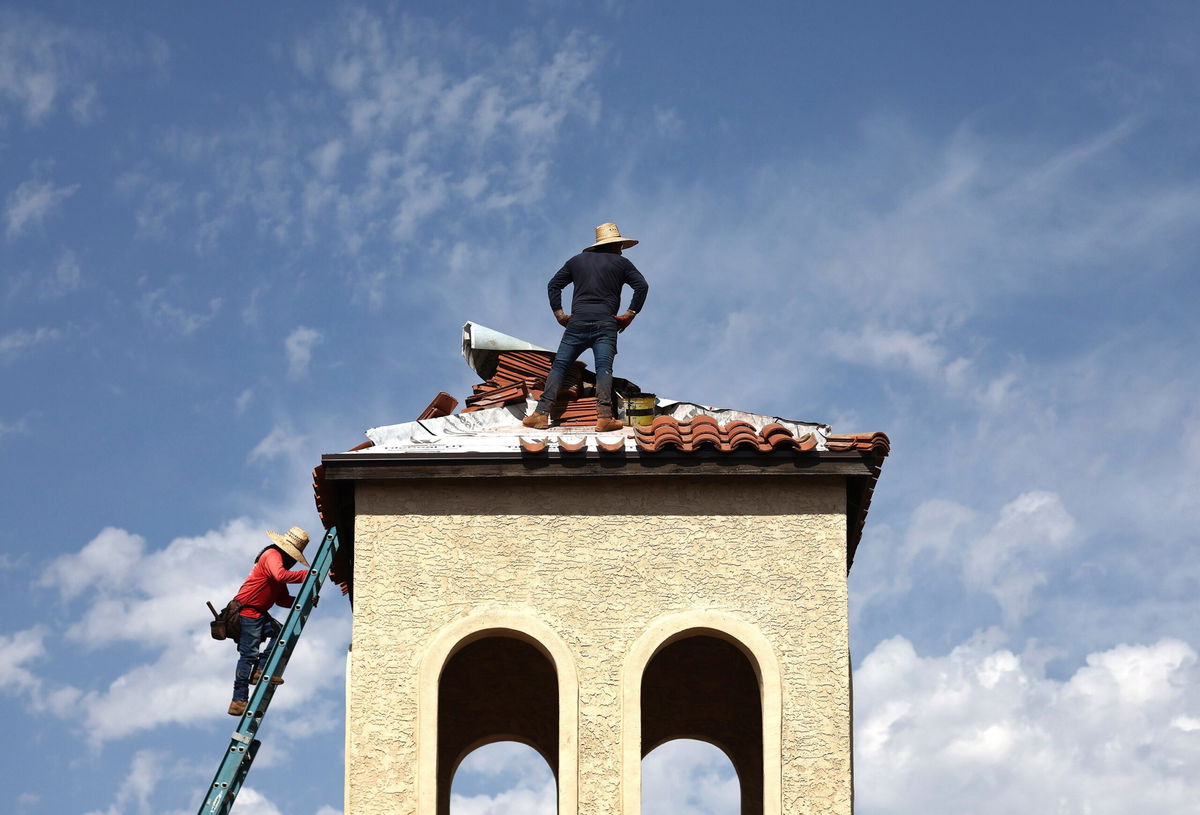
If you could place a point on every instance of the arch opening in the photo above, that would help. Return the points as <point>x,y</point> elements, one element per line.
<point>687,774</point>
<point>505,776</point>
<point>495,688</point>
<point>704,688</point>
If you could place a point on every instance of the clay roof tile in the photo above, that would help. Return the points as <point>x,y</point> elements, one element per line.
<point>533,446</point>
<point>569,446</point>
<point>615,445</point>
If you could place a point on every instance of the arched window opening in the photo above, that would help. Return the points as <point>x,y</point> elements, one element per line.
<point>685,775</point>
<point>503,777</point>
<point>497,688</point>
<point>704,688</point>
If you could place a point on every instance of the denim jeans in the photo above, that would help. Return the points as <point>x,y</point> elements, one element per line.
<point>583,332</point>
<point>250,659</point>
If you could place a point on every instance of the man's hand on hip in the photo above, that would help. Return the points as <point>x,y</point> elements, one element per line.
<point>623,320</point>
<point>562,317</point>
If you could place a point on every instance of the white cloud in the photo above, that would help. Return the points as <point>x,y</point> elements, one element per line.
<point>243,400</point>
<point>1008,560</point>
<point>62,278</point>
<point>982,730</point>
<point>133,796</point>
<point>29,204</point>
<point>508,802</point>
<point>519,782</point>
<point>16,427</point>
<point>176,319</point>
<point>46,67</point>
<point>65,277</point>
<point>153,776</point>
<point>15,343</point>
<point>919,353</point>
<point>299,347</point>
<point>16,651</point>
<point>326,157</point>
<point>104,563</point>
<point>687,777</point>
<point>279,443</point>
<point>253,802</point>
<point>40,65</point>
<point>667,121</point>
<point>156,201</point>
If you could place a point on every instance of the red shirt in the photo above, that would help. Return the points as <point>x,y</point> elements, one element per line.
<point>264,586</point>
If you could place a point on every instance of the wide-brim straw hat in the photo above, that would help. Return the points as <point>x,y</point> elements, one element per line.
<point>608,233</point>
<point>293,542</point>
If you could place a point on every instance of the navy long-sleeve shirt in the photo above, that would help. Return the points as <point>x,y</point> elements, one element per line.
<point>598,278</point>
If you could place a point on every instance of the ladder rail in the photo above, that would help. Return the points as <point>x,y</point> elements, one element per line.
<point>235,764</point>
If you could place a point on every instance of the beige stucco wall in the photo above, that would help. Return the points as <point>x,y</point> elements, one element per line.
<point>599,563</point>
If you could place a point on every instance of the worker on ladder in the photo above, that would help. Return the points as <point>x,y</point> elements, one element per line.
<point>263,588</point>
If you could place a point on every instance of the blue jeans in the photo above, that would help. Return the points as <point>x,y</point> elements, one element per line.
<point>250,659</point>
<point>597,332</point>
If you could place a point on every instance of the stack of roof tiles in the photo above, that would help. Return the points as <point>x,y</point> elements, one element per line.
<point>580,412</point>
<point>521,375</point>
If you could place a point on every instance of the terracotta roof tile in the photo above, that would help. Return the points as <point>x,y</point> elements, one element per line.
<point>506,395</point>
<point>774,432</point>
<point>616,445</point>
<point>324,511</point>
<point>877,443</point>
<point>572,446</point>
<point>442,405</point>
<point>534,446</point>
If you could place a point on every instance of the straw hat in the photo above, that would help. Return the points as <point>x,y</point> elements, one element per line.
<point>293,542</point>
<point>608,233</point>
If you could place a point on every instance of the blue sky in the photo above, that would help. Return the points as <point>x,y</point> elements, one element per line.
<point>235,238</point>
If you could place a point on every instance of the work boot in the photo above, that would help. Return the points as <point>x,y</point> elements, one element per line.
<point>606,424</point>
<point>538,421</point>
<point>237,707</point>
<point>257,675</point>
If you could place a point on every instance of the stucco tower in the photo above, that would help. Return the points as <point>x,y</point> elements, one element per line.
<point>594,597</point>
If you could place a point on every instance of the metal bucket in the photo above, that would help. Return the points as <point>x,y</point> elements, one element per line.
<point>638,409</point>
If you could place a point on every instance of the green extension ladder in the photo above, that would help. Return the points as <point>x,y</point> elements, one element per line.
<point>243,747</point>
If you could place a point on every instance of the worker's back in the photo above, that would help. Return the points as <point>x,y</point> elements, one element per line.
<point>598,278</point>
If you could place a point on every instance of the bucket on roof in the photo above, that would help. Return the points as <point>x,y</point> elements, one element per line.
<point>638,409</point>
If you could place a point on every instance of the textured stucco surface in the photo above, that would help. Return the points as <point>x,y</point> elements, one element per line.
<point>597,561</point>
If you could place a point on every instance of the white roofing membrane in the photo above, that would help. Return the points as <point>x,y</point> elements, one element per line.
<point>498,430</point>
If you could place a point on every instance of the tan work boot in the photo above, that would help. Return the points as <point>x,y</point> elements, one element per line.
<point>605,424</point>
<point>538,421</point>
<point>237,707</point>
<point>257,675</point>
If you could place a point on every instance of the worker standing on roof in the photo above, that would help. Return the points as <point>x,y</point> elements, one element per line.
<point>264,587</point>
<point>598,274</point>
